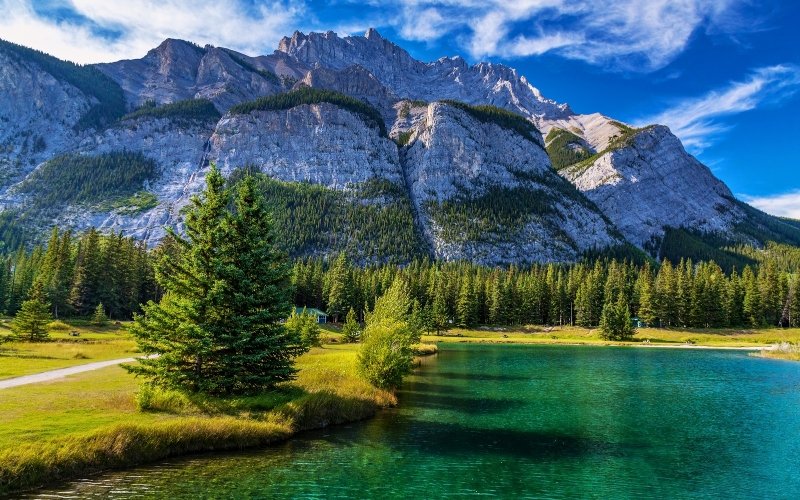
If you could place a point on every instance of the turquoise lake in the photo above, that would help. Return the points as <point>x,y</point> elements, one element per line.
<point>528,422</point>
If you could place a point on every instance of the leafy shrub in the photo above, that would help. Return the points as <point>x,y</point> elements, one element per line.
<point>58,326</point>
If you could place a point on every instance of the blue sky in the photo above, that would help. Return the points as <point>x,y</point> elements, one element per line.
<point>723,74</point>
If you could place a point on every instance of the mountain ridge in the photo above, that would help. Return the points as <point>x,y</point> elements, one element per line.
<point>442,138</point>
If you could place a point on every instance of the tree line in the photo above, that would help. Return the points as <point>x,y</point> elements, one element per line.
<point>685,294</point>
<point>74,274</point>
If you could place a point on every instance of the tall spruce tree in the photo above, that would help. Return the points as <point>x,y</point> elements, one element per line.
<point>31,320</point>
<point>217,329</point>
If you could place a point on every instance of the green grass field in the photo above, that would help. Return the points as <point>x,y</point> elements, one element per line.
<point>656,336</point>
<point>91,421</point>
<point>92,344</point>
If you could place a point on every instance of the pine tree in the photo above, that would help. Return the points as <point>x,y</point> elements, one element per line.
<point>32,318</point>
<point>340,294</point>
<point>99,317</point>
<point>351,330</point>
<point>305,327</point>
<point>466,308</point>
<point>217,329</point>
<point>615,320</point>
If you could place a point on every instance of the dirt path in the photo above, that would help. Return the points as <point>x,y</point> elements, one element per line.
<point>60,373</point>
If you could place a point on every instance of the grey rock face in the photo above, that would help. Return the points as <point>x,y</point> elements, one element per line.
<point>452,155</point>
<point>319,143</point>
<point>654,183</point>
<point>441,154</point>
<point>37,113</point>
<point>178,70</point>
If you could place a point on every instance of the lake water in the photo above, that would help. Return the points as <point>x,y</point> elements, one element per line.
<point>529,421</point>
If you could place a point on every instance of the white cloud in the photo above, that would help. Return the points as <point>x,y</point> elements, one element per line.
<point>698,120</point>
<point>143,24</point>
<point>783,205</point>
<point>632,35</point>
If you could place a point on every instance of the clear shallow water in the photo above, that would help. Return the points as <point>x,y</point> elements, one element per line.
<point>528,421</point>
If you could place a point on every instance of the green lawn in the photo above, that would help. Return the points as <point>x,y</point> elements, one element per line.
<point>576,335</point>
<point>92,344</point>
<point>90,421</point>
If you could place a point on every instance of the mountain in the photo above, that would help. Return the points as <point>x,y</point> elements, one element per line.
<point>361,148</point>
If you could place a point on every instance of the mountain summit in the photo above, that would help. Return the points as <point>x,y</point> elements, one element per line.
<point>363,149</point>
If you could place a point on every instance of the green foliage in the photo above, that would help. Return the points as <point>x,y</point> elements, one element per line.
<point>373,222</point>
<point>615,321</point>
<point>136,203</point>
<point>501,117</point>
<point>99,317</point>
<point>565,148</point>
<point>79,179</point>
<point>404,137</point>
<point>622,140</point>
<point>217,329</point>
<point>309,95</point>
<point>385,356</point>
<point>351,330</point>
<point>304,326</point>
<point>31,320</point>
<point>88,79</point>
<point>678,243</point>
<point>185,112</point>
<point>764,227</point>
<point>497,213</point>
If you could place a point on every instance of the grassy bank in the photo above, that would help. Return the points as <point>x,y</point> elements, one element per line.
<point>64,350</point>
<point>654,336</point>
<point>90,422</point>
<point>783,350</point>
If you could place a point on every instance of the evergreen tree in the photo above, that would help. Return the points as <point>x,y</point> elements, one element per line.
<point>305,327</point>
<point>340,294</point>
<point>99,317</point>
<point>351,330</point>
<point>467,307</point>
<point>31,320</point>
<point>217,329</point>
<point>615,321</point>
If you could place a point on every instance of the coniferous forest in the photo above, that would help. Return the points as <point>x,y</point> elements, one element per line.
<point>78,272</point>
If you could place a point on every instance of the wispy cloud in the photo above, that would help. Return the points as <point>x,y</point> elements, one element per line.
<point>100,30</point>
<point>698,120</point>
<point>623,34</point>
<point>783,205</point>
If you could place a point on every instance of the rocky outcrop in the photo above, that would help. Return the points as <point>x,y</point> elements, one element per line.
<point>452,157</point>
<point>652,182</point>
<point>37,116</point>
<point>319,143</point>
<point>479,189</point>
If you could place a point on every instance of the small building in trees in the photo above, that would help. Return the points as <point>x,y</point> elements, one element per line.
<point>322,317</point>
<point>637,322</point>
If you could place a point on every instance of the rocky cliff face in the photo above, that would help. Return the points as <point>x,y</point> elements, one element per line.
<point>479,188</point>
<point>37,115</point>
<point>652,183</point>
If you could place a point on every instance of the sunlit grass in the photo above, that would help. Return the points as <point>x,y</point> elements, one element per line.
<point>91,421</point>
<point>63,350</point>
<point>665,336</point>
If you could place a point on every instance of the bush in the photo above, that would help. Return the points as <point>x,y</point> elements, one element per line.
<point>58,326</point>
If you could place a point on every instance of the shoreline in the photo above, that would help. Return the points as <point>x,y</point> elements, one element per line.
<point>466,340</point>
